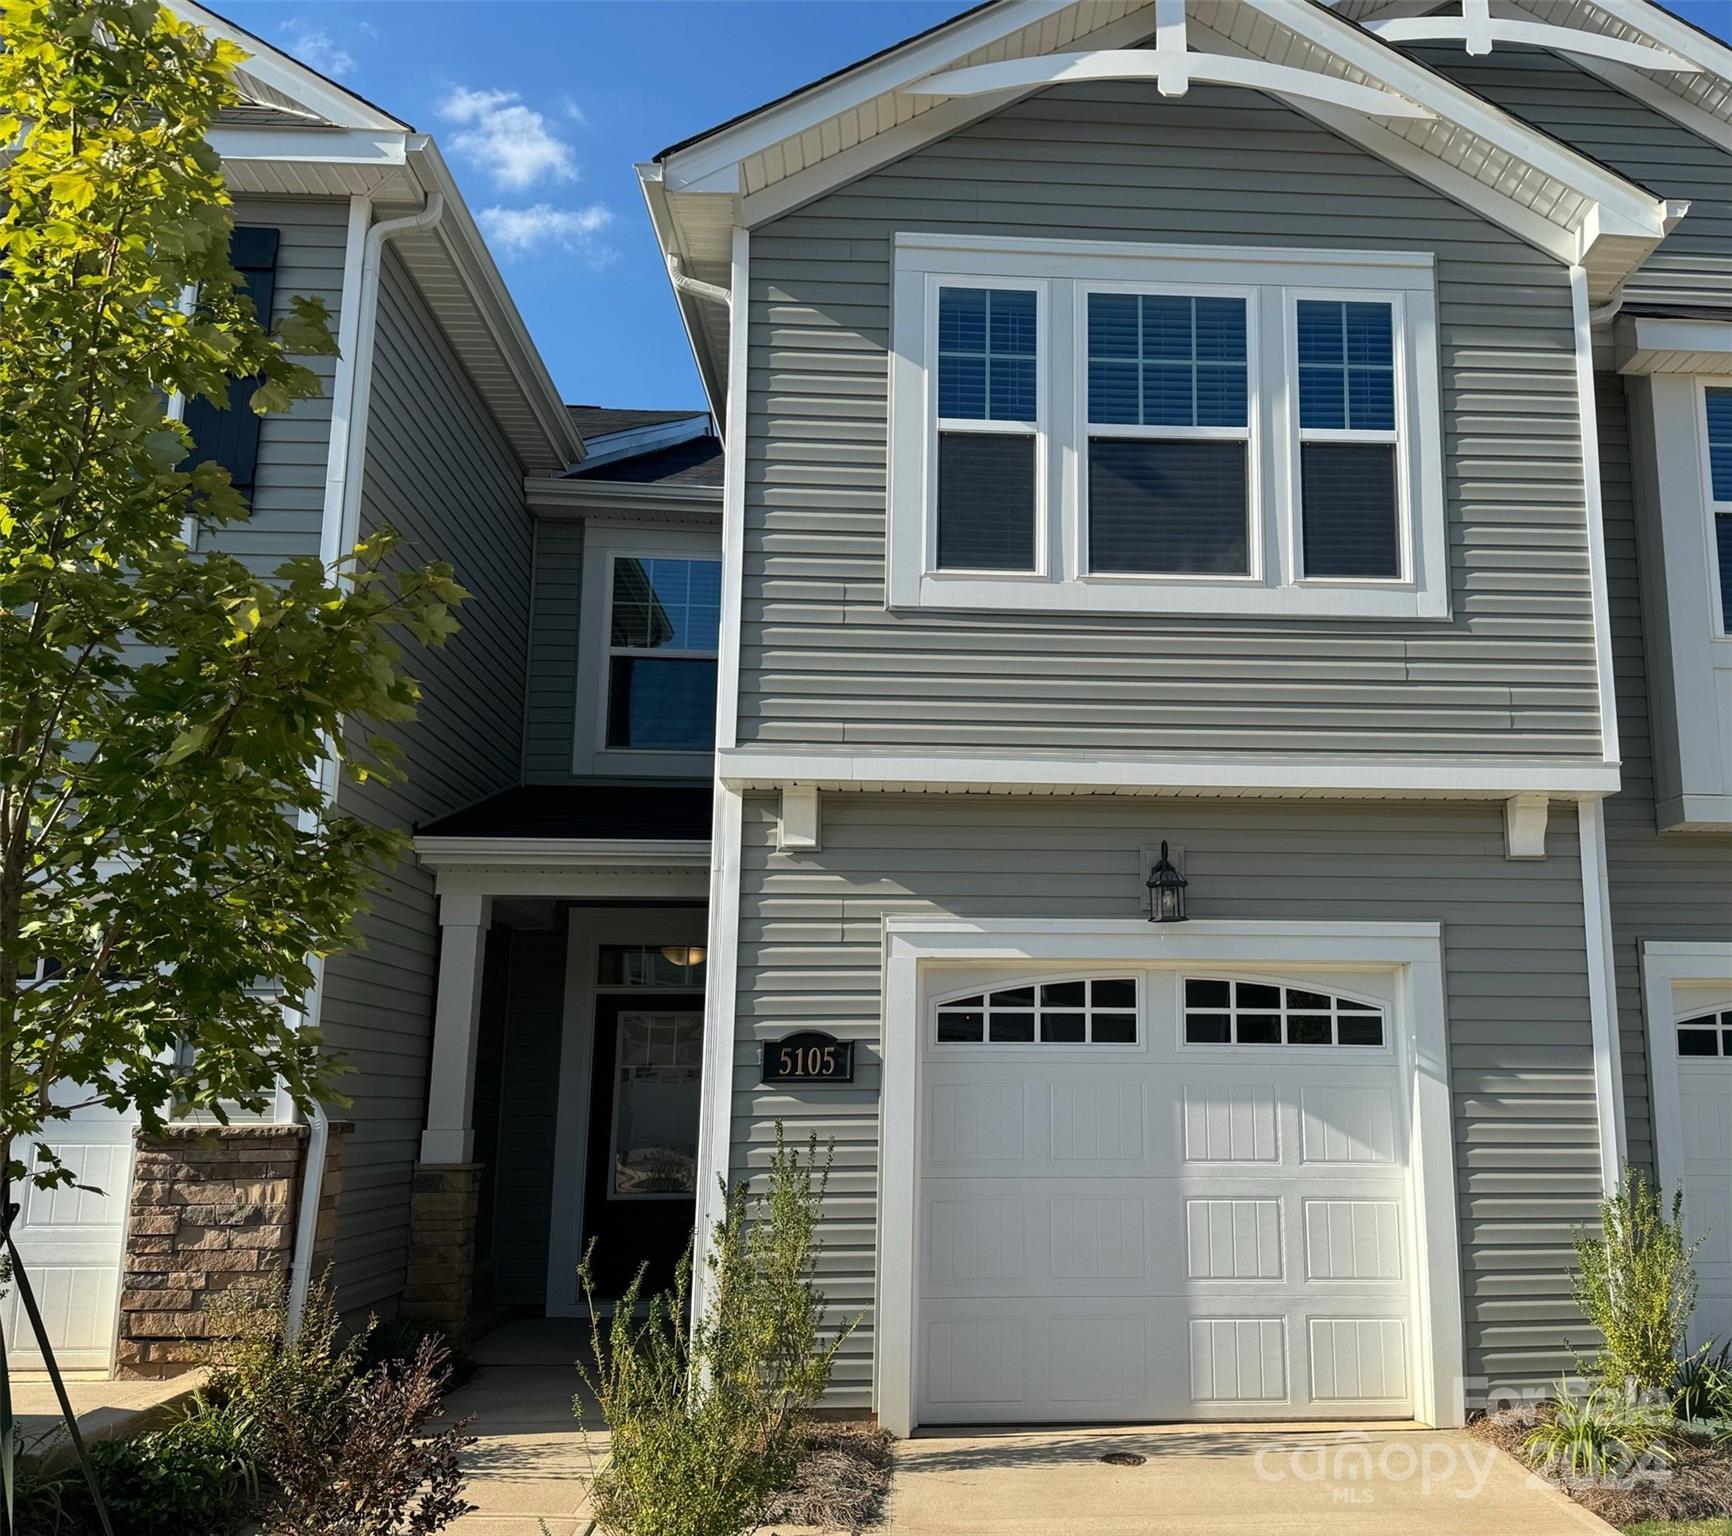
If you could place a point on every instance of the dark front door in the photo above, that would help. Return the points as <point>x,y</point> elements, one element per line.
<point>640,1196</point>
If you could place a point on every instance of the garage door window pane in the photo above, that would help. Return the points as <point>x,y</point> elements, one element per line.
<point>1706,1034</point>
<point>1085,1011</point>
<point>1219,1011</point>
<point>958,1026</point>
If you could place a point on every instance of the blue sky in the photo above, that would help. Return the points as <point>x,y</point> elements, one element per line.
<point>543,106</point>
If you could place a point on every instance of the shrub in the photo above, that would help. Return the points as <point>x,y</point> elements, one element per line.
<point>343,1447</point>
<point>1634,1282</point>
<point>256,1365</point>
<point>704,1417</point>
<point>374,1472</point>
<point>1704,1384</point>
<point>198,1474</point>
<point>394,1344</point>
<point>1601,1433</point>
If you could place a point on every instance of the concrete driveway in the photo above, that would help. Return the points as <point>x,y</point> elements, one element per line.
<point>1349,1480</point>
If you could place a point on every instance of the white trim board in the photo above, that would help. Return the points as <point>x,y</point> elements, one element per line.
<point>752,768</point>
<point>588,930</point>
<point>1602,994</point>
<point>915,947</point>
<point>1588,414</point>
<point>721,1004</point>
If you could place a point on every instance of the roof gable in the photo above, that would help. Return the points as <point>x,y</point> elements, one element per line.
<point>767,163</point>
<point>277,79</point>
<point>1700,99</point>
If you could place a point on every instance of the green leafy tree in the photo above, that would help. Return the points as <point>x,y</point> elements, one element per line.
<point>170,863</point>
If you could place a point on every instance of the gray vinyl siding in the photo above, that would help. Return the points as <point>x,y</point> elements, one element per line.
<point>441,472</point>
<point>531,1022</point>
<point>1672,886</point>
<point>551,721</point>
<point>288,498</point>
<point>1521,1056</point>
<point>824,664</point>
<point>1694,265</point>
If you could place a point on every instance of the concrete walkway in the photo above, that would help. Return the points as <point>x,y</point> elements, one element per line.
<point>105,1409</point>
<point>1356,1480</point>
<point>529,1464</point>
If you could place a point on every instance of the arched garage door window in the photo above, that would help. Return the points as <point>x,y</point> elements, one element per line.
<point>1090,1010</point>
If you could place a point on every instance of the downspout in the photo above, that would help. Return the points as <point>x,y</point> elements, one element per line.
<point>354,461</point>
<point>696,286</point>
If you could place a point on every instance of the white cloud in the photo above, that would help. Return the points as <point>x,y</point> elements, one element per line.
<point>523,231</point>
<point>317,49</point>
<point>510,141</point>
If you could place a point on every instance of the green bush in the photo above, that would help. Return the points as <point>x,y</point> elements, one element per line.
<point>1599,1434</point>
<point>1704,1384</point>
<point>704,1417</point>
<point>199,1474</point>
<point>1634,1282</point>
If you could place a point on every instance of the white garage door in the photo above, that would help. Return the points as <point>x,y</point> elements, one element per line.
<point>71,1240</point>
<point>1158,1195</point>
<point>1705,1131</point>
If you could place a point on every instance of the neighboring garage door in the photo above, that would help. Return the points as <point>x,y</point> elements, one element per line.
<point>1704,1036</point>
<point>1160,1195</point>
<point>71,1240</point>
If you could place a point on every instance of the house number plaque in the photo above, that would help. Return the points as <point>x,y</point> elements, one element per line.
<point>808,1057</point>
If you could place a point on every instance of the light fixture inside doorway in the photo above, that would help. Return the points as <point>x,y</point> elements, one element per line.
<point>688,955</point>
<point>1166,891</point>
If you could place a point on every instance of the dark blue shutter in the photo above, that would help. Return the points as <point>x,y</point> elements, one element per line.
<point>231,437</point>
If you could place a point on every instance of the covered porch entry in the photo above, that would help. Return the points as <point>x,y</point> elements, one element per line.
<point>564,1086</point>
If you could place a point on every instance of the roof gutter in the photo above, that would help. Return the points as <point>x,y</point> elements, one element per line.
<point>712,371</point>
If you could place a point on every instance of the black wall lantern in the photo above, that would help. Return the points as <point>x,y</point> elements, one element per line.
<point>1166,891</point>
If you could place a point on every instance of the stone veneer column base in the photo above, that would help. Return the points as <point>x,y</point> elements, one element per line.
<point>212,1206</point>
<point>443,1209</point>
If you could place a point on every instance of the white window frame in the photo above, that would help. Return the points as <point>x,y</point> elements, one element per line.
<point>1249,434</point>
<point>603,545</point>
<point>1038,429</point>
<point>1716,509</point>
<point>1272,278</point>
<point>1401,436</point>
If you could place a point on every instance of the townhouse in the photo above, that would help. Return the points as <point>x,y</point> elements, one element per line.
<point>1286,442</point>
<point>1191,734</point>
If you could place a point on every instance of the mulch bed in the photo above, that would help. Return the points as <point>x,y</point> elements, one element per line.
<point>842,1483</point>
<point>1697,1485</point>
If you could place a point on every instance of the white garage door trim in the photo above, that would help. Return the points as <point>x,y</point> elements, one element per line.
<point>915,947</point>
<point>1667,964</point>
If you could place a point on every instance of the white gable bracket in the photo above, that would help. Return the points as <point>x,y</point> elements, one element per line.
<point>1479,39</point>
<point>1170,72</point>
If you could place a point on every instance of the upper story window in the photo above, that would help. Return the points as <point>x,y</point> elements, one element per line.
<point>1114,428</point>
<point>1717,409</point>
<point>647,663</point>
<point>1167,424</point>
<point>988,427</point>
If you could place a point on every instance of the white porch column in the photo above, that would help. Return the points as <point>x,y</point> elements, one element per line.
<point>450,1133</point>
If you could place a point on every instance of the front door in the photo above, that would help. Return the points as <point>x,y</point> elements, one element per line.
<point>641,1196</point>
